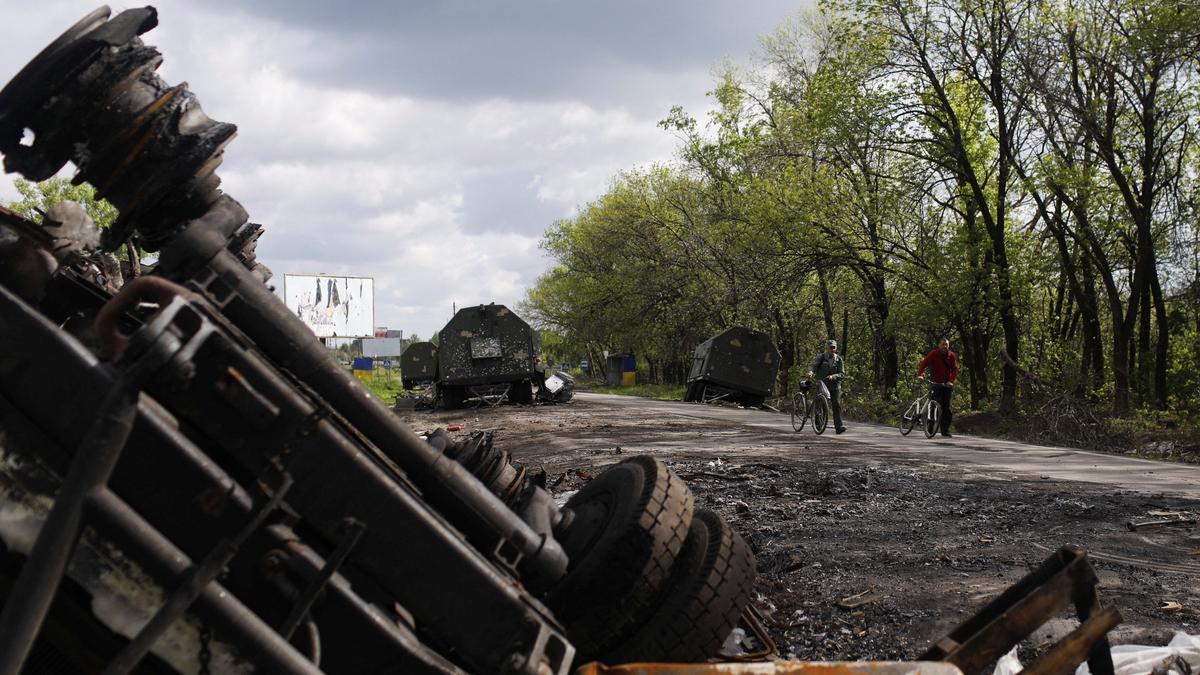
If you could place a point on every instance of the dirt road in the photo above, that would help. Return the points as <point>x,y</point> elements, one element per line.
<point>969,452</point>
<point>929,530</point>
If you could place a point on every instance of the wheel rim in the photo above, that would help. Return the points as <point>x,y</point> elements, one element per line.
<point>820,415</point>
<point>908,420</point>
<point>931,420</point>
<point>798,418</point>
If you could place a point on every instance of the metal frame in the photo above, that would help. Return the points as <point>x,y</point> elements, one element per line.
<point>1065,579</point>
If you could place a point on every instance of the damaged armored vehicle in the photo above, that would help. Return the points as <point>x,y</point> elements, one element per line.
<point>738,365</point>
<point>190,482</point>
<point>489,353</point>
<point>418,365</point>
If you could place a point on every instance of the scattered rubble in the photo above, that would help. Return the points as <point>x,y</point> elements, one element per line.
<point>828,522</point>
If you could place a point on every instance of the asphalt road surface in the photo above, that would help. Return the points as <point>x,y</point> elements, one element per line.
<point>979,454</point>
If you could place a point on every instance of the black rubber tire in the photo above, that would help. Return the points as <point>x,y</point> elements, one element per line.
<point>709,588</point>
<point>933,419</point>
<point>820,414</point>
<point>521,392</point>
<point>799,411</point>
<point>908,419</point>
<point>630,525</point>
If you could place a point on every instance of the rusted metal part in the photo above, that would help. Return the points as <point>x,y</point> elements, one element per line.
<point>1064,579</point>
<point>142,289</point>
<point>752,620</point>
<point>776,668</point>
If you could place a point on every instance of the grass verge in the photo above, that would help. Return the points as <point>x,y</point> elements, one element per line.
<point>661,392</point>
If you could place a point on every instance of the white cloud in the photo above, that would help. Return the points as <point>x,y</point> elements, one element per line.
<point>440,194</point>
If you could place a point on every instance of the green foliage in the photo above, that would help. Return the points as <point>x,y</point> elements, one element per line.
<point>385,387</point>
<point>1007,172</point>
<point>661,392</point>
<point>37,198</point>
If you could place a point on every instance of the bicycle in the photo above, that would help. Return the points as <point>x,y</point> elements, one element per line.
<point>817,409</point>
<point>925,410</point>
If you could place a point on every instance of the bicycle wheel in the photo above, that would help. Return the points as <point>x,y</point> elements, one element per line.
<point>799,411</point>
<point>908,419</point>
<point>933,418</point>
<point>820,413</point>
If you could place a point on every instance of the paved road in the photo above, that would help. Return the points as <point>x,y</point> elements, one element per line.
<point>1033,461</point>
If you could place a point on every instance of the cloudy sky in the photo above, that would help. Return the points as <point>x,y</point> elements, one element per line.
<point>426,143</point>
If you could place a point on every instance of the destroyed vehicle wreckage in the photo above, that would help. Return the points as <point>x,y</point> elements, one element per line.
<point>490,354</point>
<point>738,365</point>
<point>485,354</point>
<point>217,430</point>
<point>191,483</point>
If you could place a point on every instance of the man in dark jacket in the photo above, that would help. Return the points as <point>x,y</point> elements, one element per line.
<point>829,367</point>
<point>943,369</point>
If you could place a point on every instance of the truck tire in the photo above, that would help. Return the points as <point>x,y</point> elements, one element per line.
<point>629,526</point>
<point>709,588</point>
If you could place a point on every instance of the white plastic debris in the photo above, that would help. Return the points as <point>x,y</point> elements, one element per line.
<point>1140,659</point>
<point>1008,664</point>
<point>1133,659</point>
<point>733,643</point>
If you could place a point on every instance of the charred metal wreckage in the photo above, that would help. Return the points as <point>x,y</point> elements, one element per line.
<point>484,353</point>
<point>221,473</point>
<point>190,483</point>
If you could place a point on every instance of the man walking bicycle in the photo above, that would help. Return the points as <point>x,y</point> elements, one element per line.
<point>943,369</point>
<point>830,368</point>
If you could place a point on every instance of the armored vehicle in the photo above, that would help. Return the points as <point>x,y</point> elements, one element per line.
<point>488,352</point>
<point>418,365</point>
<point>737,365</point>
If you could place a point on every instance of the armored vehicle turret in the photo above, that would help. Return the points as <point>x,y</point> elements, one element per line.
<point>737,365</point>
<point>489,352</point>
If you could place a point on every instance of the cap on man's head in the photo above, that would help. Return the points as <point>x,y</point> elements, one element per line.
<point>831,343</point>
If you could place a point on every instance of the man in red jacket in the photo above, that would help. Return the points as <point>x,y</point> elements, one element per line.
<point>943,369</point>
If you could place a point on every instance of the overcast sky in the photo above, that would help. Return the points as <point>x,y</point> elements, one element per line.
<point>425,143</point>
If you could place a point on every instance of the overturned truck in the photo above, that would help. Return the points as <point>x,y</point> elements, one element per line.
<point>191,483</point>
<point>737,365</point>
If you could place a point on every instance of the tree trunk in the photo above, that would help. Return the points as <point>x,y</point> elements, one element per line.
<point>1092,337</point>
<point>1145,373</point>
<point>826,304</point>
<point>1162,345</point>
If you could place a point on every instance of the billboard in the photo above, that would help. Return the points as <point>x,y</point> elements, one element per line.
<point>381,347</point>
<point>332,306</point>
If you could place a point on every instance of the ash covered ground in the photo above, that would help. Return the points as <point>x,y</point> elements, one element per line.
<point>868,557</point>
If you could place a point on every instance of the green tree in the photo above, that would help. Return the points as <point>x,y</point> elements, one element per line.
<point>37,198</point>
